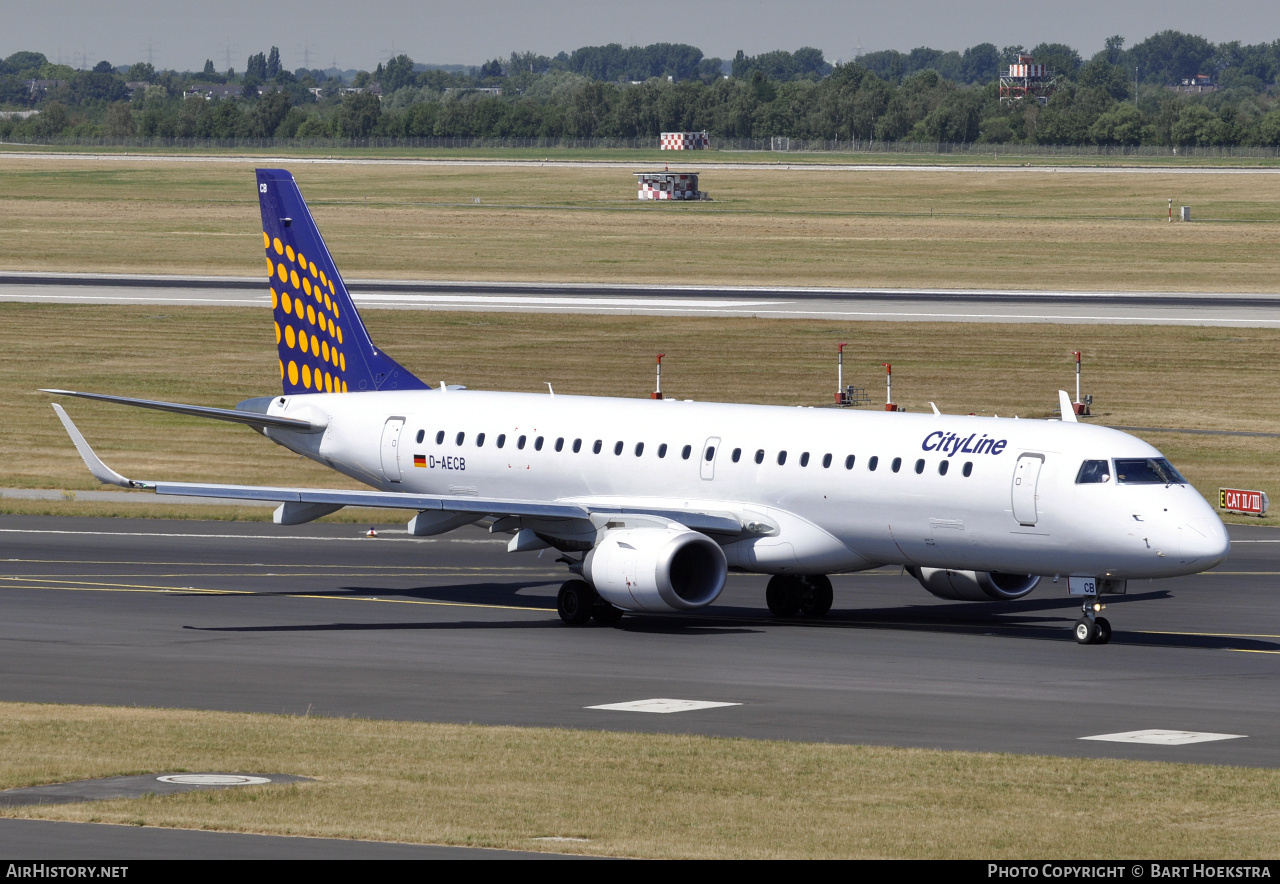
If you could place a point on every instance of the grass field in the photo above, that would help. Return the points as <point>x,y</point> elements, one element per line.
<point>638,795</point>
<point>766,226</point>
<point>1139,376</point>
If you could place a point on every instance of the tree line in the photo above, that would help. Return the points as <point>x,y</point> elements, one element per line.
<point>1119,96</point>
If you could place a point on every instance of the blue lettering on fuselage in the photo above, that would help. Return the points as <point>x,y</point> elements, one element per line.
<point>952,444</point>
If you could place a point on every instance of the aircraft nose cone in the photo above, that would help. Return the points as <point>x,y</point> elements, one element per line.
<point>1206,542</point>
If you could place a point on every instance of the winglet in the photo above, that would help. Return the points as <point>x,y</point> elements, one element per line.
<point>101,471</point>
<point>1064,404</point>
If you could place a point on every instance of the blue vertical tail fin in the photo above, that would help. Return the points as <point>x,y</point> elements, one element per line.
<point>323,345</point>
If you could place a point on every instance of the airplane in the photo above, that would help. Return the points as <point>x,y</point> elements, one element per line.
<point>652,501</point>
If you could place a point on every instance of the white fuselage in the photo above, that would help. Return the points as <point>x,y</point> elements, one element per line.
<point>1016,509</point>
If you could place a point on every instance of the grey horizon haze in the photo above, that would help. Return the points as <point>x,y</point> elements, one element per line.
<point>181,36</point>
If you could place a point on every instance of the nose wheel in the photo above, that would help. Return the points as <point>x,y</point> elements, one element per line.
<point>1091,629</point>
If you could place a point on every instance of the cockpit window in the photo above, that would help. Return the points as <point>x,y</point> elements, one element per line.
<point>1093,471</point>
<point>1147,471</point>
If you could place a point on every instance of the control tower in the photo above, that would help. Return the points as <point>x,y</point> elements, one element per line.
<point>1026,79</point>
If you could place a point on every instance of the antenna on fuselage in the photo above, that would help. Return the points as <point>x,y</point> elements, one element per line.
<point>657,393</point>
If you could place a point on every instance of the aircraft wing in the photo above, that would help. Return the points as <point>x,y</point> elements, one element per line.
<point>720,523</point>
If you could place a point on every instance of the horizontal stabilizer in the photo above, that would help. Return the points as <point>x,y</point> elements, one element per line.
<point>254,419</point>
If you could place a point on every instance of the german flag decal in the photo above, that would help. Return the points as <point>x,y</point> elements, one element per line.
<point>419,460</point>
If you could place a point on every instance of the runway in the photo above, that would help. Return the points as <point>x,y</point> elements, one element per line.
<point>1235,309</point>
<point>320,619</point>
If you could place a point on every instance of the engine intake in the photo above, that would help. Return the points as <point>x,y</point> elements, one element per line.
<point>656,569</point>
<point>974,586</point>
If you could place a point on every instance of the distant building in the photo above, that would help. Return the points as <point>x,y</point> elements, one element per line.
<point>39,88</point>
<point>210,91</point>
<point>1027,79</point>
<point>1197,84</point>
<point>668,185</point>
<point>684,141</point>
<point>136,86</point>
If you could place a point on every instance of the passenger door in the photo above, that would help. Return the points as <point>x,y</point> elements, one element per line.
<point>1026,479</point>
<point>709,452</point>
<point>391,448</point>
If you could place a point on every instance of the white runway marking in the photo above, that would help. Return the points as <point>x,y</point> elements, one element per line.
<point>531,302</point>
<point>662,705</point>
<point>1158,737</point>
<point>209,779</point>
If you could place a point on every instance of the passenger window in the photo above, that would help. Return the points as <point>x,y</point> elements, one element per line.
<point>662,450</point>
<point>440,438</point>
<point>872,463</point>
<point>896,465</point>
<point>458,439</point>
<point>711,453</point>
<point>782,458</point>
<point>826,462</point>
<point>520,443</point>
<point>968,468</point>
<point>537,444</point>
<point>577,445</point>
<point>849,461</point>
<point>560,444</point>
<point>737,455</point>
<point>502,439</point>
<point>422,434</point>
<point>617,448</point>
<point>639,448</point>
<point>595,449</point>
<point>920,466</point>
<point>760,456</point>
<point>1093,472</point>
<point>943,466</point>
<point>480,440</point>
<point>686,451</point>
<point>804,459</point>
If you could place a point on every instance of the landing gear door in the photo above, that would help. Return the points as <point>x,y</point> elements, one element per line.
<point>391,448</point>
<point>709,452</point>
<point>1026,478</point>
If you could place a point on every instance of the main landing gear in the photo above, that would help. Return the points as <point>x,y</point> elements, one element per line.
<point>578,604</point>
<point>808,594</point>
<point>1090,628</point>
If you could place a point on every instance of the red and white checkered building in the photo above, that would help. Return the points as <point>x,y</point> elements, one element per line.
<point>668,186</point>
<point>684,141</point>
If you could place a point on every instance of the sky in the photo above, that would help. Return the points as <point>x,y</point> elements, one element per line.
<point>319,33</point>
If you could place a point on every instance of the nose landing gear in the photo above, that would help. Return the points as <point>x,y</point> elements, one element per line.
<point>1090,628</point>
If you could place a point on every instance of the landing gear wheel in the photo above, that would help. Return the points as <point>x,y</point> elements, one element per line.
<point>1086,631</point>
<point>783,596</point>
<point>606,614</point>
<point>575,602</point>
<point>1104,630</point>
<point>815,595</point>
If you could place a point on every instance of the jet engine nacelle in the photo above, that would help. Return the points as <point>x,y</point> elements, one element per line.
<point>974,586</point>
<point>656,569</point>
